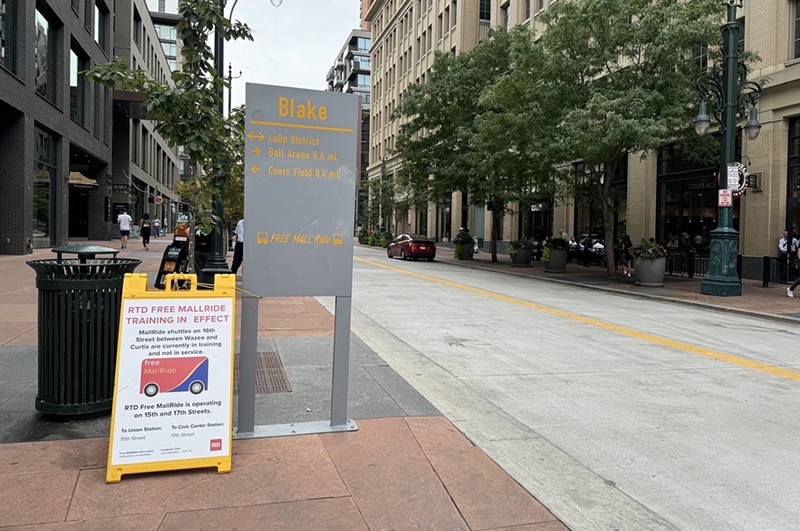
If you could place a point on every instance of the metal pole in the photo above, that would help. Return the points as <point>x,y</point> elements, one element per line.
<point>722,278</point>
<point>216,263</point>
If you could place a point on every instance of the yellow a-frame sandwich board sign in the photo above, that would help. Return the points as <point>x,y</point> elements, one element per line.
<point>173,392</point>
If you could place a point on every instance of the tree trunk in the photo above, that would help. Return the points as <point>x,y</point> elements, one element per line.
<point>495,229</point>
<point>608,218</point>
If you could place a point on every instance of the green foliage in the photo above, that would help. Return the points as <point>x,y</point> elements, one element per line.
<point>558,244</point>
<point>518,245</point>
<point>186,110</point>
<point>626,84</point>
<point>648,250</point>
<point>464,237</point>
<point>546,254</point>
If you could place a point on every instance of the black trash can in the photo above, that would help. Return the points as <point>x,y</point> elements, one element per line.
<point>79,305</point>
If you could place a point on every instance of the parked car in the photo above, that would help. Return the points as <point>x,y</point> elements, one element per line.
<point>412,246</point>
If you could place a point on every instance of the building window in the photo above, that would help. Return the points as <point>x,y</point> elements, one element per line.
<point>485,9</point>
<point>137,28</point>
<point>504,17</point>
<point>539,5</point>
<point>76,6</point>
<point>741,34</point>
<point>700,56</point>
<point>77,86</point>
<point>8,10</point>
<point>100,27</point>
<point>796,30</point>
<point>526,9</point>
<point>44,172</point>
<point>44,53</point>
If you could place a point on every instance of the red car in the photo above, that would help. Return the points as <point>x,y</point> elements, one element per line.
<point>412,246</point>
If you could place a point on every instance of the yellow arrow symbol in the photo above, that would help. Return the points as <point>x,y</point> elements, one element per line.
<point>251,135</point>
<point>255,169</point>
<point>256,150</point>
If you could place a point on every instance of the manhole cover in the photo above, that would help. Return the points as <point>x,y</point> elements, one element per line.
<point>270,375</point>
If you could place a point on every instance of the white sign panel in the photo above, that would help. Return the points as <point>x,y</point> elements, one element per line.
<point>174,381</point>
<point>733,177</point>
<point>725,198</point>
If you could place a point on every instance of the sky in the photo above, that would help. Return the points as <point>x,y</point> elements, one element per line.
<point>293,45</point>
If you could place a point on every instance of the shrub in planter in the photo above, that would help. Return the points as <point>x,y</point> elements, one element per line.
<point>649,261</point>
<point>372,240</point>
<point>385,239</point>
<point>463,245</point>
<point>648,250</point>
<point>554,255</point>
<point>521,245</point>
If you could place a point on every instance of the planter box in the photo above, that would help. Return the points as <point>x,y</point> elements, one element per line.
<point>464,252</point>
<point>649,272</point>
<point>522,258</point>
<point>557,262</point>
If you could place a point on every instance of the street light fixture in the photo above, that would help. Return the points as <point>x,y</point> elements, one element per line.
<point>729,92</point>
<point>216,263</point>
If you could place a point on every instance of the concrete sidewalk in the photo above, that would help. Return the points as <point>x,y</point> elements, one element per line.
<point>756,301</point>
<point>406,467</point>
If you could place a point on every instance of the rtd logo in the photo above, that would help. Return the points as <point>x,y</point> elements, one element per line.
<point>216,445</point>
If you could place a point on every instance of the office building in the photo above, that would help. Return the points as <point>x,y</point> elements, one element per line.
<point>55,128</point>
<point>665,194</point>
<point>145,166</point>
<point>350,73</point>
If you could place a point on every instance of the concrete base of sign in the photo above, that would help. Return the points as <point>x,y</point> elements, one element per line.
<point>299,428</point>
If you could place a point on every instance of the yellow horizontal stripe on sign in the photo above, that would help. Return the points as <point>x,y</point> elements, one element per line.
<point>303,126</point>
<point>644,336</point>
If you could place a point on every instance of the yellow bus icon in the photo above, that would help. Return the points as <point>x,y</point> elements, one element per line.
<point>338,238</point>
<point>262,238</point>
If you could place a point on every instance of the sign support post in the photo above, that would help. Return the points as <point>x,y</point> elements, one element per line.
<point>299,204</point>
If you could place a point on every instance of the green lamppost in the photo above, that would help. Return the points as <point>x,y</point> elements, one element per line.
<point>216,263</point>
<point>729,92</point>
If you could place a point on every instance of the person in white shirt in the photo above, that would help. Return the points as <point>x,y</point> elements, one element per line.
<point>238,250</point>
<point>125,223</point>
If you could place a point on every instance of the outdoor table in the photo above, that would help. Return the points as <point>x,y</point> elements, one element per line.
<point>85,251</point>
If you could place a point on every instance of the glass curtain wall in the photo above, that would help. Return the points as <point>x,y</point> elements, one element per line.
<point>44,52</point>
<point>687,198</point>
<point>793,204</point>
<point>77,86</point>
<point>44,172</point>
<point>7,25</point>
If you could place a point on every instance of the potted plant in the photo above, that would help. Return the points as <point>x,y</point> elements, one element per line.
<point>554,255</point>
<point>649,261</point>
<point>521,252</point>
<point>463,245</point>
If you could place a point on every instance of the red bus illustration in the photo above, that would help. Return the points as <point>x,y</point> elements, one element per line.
<point>172,375</point>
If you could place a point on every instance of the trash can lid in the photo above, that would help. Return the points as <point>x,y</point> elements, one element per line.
<point>86,248</point>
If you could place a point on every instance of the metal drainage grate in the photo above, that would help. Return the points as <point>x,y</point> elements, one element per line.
<point>270,375</point>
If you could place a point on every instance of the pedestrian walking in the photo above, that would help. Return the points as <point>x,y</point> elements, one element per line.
<point>784,246</point>
<point>790,289</point>
<point>625,259</point>
<point>156,228</point>
<point>144,230</point>
<point>238,249</point>
<point>125,223</point>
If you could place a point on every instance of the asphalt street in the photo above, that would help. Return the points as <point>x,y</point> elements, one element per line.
<point>615,412</point>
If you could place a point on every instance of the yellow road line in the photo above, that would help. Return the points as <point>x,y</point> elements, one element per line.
<point>303,126</point>
<point>644,336</point>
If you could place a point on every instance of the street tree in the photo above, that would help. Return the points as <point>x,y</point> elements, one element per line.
<point>186,110</point>
<point>440,139</point>
<point>625,77</point>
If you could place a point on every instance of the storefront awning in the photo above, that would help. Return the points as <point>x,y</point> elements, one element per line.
<point>79,179</point>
